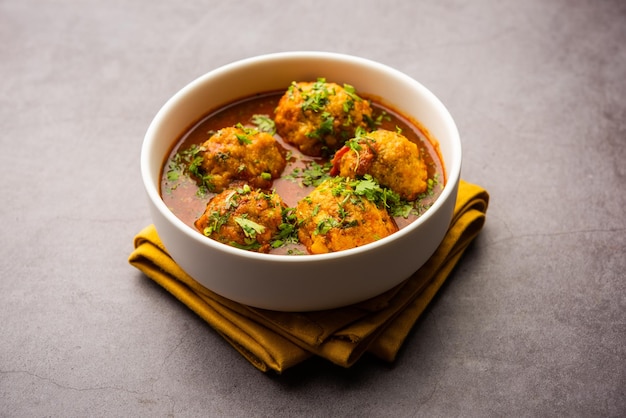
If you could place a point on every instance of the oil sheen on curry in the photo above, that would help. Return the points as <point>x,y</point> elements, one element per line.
<point>312,169</point>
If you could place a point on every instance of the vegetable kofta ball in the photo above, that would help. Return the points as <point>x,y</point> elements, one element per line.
<point>241,153</point>
<point>334,217</point>
<point>243,218</point>
<point>318,117</point>
<point>389,157</point>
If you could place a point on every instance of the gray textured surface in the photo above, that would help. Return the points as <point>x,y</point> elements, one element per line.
<point>533,322</point>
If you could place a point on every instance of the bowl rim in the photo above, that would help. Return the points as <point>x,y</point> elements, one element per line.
<point>452,168</point>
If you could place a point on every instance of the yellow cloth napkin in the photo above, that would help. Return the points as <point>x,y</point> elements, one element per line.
<point>273,340</point>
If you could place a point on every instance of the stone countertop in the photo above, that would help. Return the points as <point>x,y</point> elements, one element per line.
<point>533,320</point>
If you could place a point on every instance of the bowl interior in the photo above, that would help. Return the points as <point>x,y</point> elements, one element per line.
<point>274,72</point>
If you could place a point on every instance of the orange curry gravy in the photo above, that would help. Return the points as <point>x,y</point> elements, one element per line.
<point>182,195</point>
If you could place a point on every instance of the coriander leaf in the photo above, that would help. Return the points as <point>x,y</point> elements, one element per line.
<point>287,230</point>
<point>315,174</point>
<point>367,187</point>
<point>249,227</point>
<point>243,139</point>
<point>264,123</point>
<point>351,91</point>
<point>216,221</point>
<point>325,225</point>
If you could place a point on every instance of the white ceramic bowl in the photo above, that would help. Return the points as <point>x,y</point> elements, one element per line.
<point>308,282</point>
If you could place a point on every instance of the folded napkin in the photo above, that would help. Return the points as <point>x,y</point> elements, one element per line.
<point>273,340</point>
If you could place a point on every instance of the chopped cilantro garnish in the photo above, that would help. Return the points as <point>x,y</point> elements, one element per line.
<point>216,221</point>
<point>245,137</point>
<point>264,124</point>
<point>367,187</point>
<point>375,121</point>
<point>326,225</point>
<point>370,189</point>
<point>351,91</point>
<point>249,227</point>
<point>192,159</point>
<point>174,171</point>
<point>348,105</point>
<point>287,230</point>
<point>316,99</point>
<point>325,127</point>
<point>250,245</point>
<point>313,175</point>
<point>245,189</point>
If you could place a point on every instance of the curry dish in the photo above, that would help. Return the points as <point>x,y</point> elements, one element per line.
<point>312,169</point>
